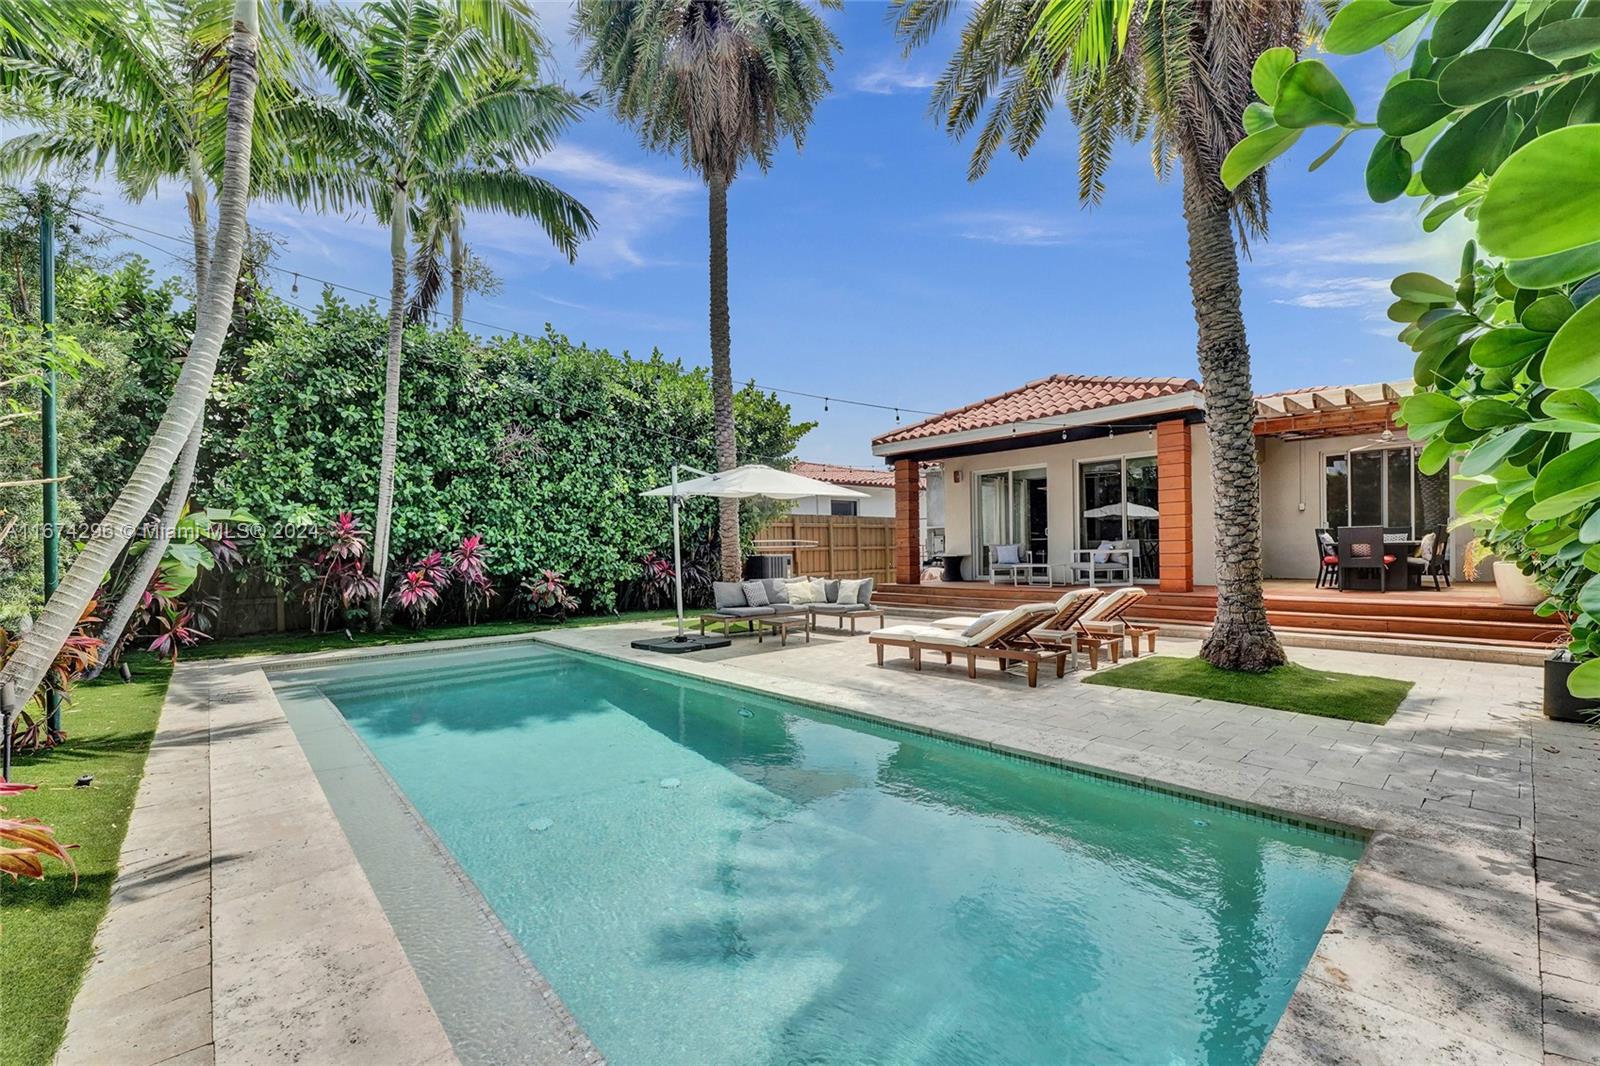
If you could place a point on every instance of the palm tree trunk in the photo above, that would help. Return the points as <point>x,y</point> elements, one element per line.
<point>133,590</point>
<point>31,660</point>
<point>398,208</point>
<point>1240,639</point>
<point>722,379</point>
<point>458,263</point>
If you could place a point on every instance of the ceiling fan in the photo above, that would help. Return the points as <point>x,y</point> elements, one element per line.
<point>1386,439</point>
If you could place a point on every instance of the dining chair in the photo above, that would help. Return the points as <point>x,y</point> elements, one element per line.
<point>1362,548</point>
<point>1327,559</point>
<point>1433,560</point>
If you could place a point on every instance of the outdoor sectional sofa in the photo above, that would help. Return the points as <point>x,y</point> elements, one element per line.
<point>733,602</point>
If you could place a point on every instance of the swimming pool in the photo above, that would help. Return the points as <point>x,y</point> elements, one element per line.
<point>710,876</point>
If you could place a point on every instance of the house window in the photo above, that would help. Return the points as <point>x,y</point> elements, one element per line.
<point>848,508</point>
<point>1383,487</point>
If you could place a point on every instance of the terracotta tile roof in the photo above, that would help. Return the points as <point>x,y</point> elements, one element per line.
<point>873,477</point>
<point>1059,394</point>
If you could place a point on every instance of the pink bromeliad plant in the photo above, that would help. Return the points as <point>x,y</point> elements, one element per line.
<point>469,566</point>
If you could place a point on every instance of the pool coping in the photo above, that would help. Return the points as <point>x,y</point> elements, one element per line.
<point>1431,954</point>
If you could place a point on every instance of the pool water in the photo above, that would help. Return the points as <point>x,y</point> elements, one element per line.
<point>708,876</point>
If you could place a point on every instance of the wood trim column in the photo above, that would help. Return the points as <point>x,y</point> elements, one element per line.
<point>907,523</point>
<point>1175,501</point>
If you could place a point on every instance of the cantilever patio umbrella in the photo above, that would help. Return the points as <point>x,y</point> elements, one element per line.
<point>741,483</point>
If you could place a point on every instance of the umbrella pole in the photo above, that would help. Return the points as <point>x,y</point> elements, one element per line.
<point>677,550</point>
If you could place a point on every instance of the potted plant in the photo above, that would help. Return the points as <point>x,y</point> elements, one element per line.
<point>1515,588</point>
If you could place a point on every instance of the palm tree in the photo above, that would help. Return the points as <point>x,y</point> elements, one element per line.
<point>1178,73</point>
<point>433,101</point>
<point>28,664</point>
<point>442,253</point>
<point>716,82</point>
<point>164,62</point>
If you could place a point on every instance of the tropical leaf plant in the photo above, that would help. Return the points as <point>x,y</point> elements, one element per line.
<point>1496,119</point>
<point>27,842</point>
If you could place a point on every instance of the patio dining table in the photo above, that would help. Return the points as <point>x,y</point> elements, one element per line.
<point>1402,548</point>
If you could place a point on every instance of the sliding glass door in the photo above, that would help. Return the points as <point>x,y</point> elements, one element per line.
<point>1011,507</point>
<point>1118,502</point>
<point>1383,487</point>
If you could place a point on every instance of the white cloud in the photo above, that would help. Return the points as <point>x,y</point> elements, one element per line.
<point>1008,227</point>
<point>891,76</point>
<point>1364,292</point>
<point>591,168</point>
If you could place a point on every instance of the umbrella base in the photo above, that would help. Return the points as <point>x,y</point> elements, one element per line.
<point>678,645</point>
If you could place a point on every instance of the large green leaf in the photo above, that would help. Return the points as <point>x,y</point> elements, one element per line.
<point>1566,39</point>
<point>1461,24</point>
<point>1269,68</point>
<point>1546,197</point>
<point>1364,24</point>
<point>1573,360</point>
<point>1445,210</point>
<point>1427,412</point>
<point>1255,152</point>
<point>1571,471</point>
<point>1589,532</point>
<point>1406,311</point>
<point>1423,288</point>
<point>1508,347</point>
<point>1447,327</point>
<point>1411,105</point>
<point>1548,271</point>
<point>1476,77</point>
<point>1388,170</point>
<point>1484,457</point>
<point>1573,405</point>
<point>1478,498</point>
<point>1547,313</point>
<point>1584,681</point>
<point>1564,503</point>
<point>1465,150</point>
<point>1258,117</point>
<point>1589,596</point>
<point>1435,456</point>
<point>1492,414</point>
<point>1311,95</point>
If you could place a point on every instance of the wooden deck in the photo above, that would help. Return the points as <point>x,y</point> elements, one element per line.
<point>1469,613</point>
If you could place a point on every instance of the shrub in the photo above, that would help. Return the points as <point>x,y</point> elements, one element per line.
<point>1496,119</point>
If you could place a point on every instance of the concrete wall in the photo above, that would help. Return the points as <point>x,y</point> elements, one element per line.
<point>1293,504</point>
<point>1060,462</point>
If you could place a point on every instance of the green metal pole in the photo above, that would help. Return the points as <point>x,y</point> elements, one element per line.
<point>47,417</point>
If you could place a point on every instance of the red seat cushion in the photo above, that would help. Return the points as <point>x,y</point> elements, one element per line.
<point>1330,560</point>
<point>1388,560</point>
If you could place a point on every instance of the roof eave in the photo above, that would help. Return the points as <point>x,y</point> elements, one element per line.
<point>1189,400</point>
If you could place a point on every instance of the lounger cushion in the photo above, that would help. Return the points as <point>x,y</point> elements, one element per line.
<point>982,622</point>
<point>728,594</point>
<point>924,634</point>
<point>755,593</point>
<point>746,612</point>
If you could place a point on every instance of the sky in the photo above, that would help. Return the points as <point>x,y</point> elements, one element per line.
<point>866,266</point>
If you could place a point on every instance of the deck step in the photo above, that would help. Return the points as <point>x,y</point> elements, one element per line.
<point>1463,617</point>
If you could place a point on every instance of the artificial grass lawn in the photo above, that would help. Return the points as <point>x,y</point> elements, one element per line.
<point>1352,697</point>
<point>298,643</point>
<point>47,927</point>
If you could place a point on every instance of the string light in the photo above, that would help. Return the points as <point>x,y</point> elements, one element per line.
<point>294,290</point>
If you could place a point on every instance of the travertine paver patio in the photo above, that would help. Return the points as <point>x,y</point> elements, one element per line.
<point>1451,944</point>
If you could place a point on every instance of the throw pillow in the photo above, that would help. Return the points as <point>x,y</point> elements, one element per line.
<point>799,591</point>
<point>1008,554</point>
<point>850,592</point>
<point>819,590</point>
<point>1425,553</point>
<point>864,597</point>
<point>982,622</point>
<point>755,593</point>
<point>777,590</point>
<point>727,594</point>
<point>1102,554</point>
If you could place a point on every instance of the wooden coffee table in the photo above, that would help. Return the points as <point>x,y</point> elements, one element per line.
<point>781,624</point>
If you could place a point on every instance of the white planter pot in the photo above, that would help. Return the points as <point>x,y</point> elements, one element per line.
<point>1516,588</point>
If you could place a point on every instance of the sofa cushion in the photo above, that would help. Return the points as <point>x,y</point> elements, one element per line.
<point>836,608</point>
<point>728,594</point>
<point>849,591</point>
<point>1007,554</point>
<point>755,593</point>
<point>777,590</point>
<point>830,589</point>
<point>799,591</point>
<point>864,597</point>
<point>746,612</point>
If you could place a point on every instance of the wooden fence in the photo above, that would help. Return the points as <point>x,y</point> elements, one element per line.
<point>845,545</point>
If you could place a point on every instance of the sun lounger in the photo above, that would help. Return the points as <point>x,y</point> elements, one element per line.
<point>1109,617</point>
<point>1061,628</point>
<point>1007,639</point>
